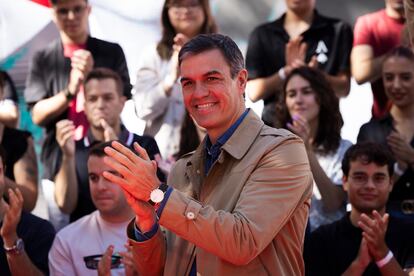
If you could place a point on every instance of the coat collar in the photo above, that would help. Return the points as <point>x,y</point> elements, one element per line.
<point>236,146</point>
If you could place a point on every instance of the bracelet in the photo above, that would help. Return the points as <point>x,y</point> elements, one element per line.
<point>282,73</point>
<point>69,96</point>
<point>384,261</point>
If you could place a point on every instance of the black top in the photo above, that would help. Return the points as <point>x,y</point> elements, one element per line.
<point>9,89</point>
<point>377,130</point>
<point>332,248</point>
<point>15,145</point>
<point>85,205</point>
<point>49,74</point>
<point>37,235</point>
<point>328,38</point>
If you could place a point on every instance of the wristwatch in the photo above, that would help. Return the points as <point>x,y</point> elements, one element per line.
<point>69,96</point>
<point>157,195</point>
<point>16,249</point>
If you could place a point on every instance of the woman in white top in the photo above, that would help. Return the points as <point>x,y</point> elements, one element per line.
<point>158,100</point>
<point>310,109</point>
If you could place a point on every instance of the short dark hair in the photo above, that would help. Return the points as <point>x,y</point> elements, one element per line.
<point>98,148</point>
<point>101,73</point>
<point>330,122</point>
<point>205,42</point>
<point>54,2</point>
<point>369,152</point>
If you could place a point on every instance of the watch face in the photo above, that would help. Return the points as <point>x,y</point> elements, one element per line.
<point>157,196</point>
<point>19,245</point>
<point>17,248</point>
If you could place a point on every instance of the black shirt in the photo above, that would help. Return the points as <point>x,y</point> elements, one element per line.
<point>377,130</point>
<point>9,89</point>
<point>49,74</point>
<point>332,248</point>
<point>85,205</point>
<point>15,145</point>
<point>328,38</point>
<point>37,235</point>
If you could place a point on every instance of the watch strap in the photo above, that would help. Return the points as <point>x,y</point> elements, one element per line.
<point>163,187</point>
<point>16,249</point>
<point>69,96</point>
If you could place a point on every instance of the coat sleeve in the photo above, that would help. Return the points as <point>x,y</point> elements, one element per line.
<point>149,255</point>
<point>279,186</point>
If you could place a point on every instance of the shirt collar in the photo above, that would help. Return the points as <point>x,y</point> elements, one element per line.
<point>125,137</point>
<point>227,134</point>
<point>317,22</point>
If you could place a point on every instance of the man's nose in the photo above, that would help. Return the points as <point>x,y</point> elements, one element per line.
<point>71,14</point>
<point>200,90</point>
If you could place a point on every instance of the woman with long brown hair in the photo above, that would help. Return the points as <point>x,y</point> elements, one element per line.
<point>158,99</point>
<point>310,109</point>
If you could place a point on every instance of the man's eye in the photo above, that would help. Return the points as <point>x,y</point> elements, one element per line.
<point>186,83</point>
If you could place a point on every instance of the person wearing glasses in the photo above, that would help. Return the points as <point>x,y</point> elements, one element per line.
<point>53,89</point>
<point>79,247</point>
<point>368,240</point>
<point>158,98</point>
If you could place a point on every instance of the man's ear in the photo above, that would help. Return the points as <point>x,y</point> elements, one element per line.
<point>242,80</point>
<point>54,15</point>
<point>123,99</point>
<point>345,184</point>
<point>391,184</point>
<point>88,9</point>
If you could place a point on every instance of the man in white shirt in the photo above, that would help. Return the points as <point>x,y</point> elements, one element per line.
<point>79,247</point>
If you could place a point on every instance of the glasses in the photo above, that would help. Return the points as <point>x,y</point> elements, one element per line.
<point>182,7</point>
<point>77,11</point>
<point>92,261</point>
<point>379,180</point>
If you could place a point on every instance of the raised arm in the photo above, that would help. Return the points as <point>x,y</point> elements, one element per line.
<point>282,176</point>
<point>66,183</point>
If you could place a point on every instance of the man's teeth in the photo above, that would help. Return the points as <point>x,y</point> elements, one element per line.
<point>205,105</point>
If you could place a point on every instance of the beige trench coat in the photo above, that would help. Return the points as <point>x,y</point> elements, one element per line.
<point>246,217</point>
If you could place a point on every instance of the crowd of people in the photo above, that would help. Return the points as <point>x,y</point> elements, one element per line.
<point>211,188</point>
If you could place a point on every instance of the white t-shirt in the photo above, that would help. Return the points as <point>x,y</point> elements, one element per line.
<point>332,166</point>
<point>90,235</point>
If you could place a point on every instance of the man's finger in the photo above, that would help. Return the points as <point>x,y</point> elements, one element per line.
<point>141,151</point>
<point>122,150</point>
<point>125,158</point>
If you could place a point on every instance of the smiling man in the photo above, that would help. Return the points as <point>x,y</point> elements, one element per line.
<point>239,204</point>
<point>366,241</point>
<point>103,105</point>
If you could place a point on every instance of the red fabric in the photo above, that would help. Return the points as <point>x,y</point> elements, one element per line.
<point>69,49</point>
<point>76,107</point>
<point>383,33</point>
<point>42,2</point>
<point>378,30</point>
